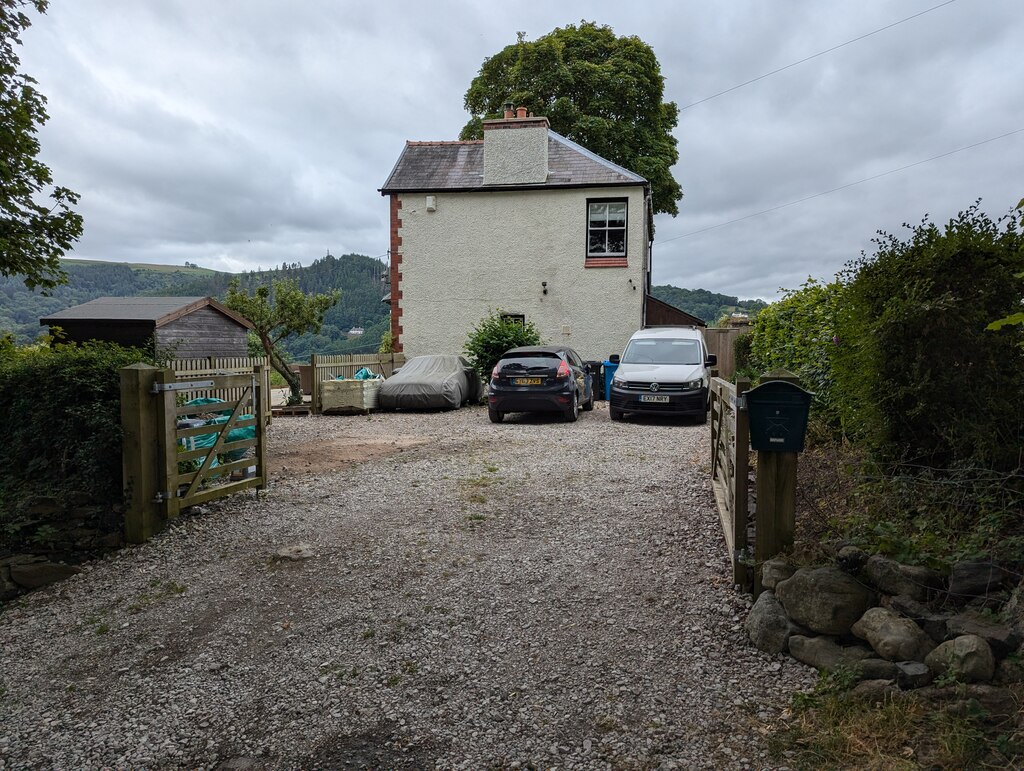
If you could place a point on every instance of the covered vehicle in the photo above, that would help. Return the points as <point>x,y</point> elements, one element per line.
<point>430,383</point>
<point>540,378</point>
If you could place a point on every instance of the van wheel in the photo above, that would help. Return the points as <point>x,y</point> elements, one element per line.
<point>615,414</point>
<point>702,418</point>
<point>495,416</point>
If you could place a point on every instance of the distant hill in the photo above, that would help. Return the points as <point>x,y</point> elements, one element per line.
<point>705,305</point>
<point>359,278</point>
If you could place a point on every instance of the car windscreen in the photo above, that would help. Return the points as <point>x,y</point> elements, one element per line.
<point>529,362</point>
<point>662,351</point>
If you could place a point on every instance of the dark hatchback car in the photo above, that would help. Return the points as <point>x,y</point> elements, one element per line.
<point>540,378</point>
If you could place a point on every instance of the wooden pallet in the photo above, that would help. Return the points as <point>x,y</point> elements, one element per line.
<point>290,411</point>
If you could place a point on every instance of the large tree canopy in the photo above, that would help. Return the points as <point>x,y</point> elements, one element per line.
<point>601,91</point>
<point>34,232</point>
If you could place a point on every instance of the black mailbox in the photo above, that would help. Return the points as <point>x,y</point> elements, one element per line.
<point>778,416</point>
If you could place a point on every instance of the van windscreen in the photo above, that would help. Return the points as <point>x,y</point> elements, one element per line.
<point>662,351</point>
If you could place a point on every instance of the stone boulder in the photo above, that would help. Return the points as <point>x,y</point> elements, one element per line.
<point>767,624</point>
<point>968,658</point>
<point>825,600</point>
<point>934,624</point>
<point>825,653</point>
<point>1002,638</point>
<point>892,577</point>
<point>851,559</point>
<point>974,578</point>
<point>35,575</point>
<point>875,691</point>
<point>892,636</point>
<point>774,572</point>
<point>912,674</point>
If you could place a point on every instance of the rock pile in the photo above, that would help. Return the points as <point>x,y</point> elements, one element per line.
<point>898,627</point>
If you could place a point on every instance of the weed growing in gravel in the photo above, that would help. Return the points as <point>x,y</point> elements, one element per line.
<point>162,591</point>
<point>393,680</point>
<point>409,667</point>
<point>477,517</point>
<point>102,628</point>
<point>369,634</point>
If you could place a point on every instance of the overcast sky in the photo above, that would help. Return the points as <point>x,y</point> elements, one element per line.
<point>239,135</point>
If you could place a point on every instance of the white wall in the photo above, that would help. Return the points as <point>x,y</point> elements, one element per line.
<point>484,251</point>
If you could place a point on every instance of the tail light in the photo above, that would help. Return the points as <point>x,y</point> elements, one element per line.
<point>494,372</point>
<point>563,370</point>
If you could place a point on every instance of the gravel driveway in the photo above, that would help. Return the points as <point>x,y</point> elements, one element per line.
<point>529,595</point>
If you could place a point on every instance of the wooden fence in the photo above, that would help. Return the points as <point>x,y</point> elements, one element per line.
<point>346,365</point>
<point>720,342</point>
<point>730,466</point>
<point>208,366</point>
<point>170,462</point>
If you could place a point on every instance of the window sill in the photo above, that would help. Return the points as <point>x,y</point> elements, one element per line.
<point>605,262</point>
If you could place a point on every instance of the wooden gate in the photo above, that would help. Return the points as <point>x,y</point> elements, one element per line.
<point>730,437</point>
<point>178,455</point>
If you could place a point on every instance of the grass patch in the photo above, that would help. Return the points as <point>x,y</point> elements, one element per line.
<point>832,728</point>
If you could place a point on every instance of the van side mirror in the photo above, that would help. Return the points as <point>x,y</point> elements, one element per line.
<point>614,358</point>
<point>711,361</point>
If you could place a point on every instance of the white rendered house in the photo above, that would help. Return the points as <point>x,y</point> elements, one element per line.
<point>525,222</point>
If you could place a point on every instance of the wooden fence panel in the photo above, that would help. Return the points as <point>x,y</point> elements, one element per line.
<point>720,342</point>
<point>730,439</point>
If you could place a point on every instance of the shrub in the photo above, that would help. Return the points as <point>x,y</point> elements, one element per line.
<point>492,336</point>
<point>924,381</point>
<point>744,357</point>
<point>62,428</point>
<point>797,333</point>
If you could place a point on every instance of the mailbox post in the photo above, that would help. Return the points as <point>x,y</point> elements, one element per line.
<point>777,410</point>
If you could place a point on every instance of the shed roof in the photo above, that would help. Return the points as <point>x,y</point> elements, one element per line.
<point>158,310</point>
<point>459,166</point>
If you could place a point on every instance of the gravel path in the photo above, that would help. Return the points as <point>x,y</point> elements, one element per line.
<point>529,595</point>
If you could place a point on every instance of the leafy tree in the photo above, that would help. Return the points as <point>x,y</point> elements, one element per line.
<point>278,311</point>
<point>601,91</point>
<point>33,234</point>
<point>495,334</point>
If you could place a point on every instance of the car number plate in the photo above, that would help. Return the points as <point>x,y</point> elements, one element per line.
<point>526,381</point>
<point>656,398</point>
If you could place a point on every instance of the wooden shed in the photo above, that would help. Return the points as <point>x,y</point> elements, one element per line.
<point>658,313</point>
<point>191,327</point>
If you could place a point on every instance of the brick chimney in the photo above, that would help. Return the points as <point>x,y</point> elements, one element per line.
<point>516,148</point>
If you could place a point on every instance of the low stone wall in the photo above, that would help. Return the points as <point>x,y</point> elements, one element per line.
<point>899,627</point>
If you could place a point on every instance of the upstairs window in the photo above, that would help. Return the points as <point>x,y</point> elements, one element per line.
<point>606,231</point>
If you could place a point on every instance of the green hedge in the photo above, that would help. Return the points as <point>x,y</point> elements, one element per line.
<point>923,380</point>
<point>61,437</point>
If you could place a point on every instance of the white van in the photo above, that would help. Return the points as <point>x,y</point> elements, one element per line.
<point>663,371</point>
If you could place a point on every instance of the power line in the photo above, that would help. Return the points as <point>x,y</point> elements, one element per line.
<point>815,56</point>
<point>843,187</point>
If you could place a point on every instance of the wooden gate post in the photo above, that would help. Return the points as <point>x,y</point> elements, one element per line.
<point>261,403</point>
<point>775,520</point>
<point>140,454</point>
<point>314,389</point>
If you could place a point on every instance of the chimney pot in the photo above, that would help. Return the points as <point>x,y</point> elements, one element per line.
<point>520,112</point>
<point>509,110</point>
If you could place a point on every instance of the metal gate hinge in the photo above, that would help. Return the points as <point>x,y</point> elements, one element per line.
<point>165,495</point>
<point>181,385</point>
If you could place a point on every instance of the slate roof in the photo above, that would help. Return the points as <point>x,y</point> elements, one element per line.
<point>459,166</point>
<point>158,310</point>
